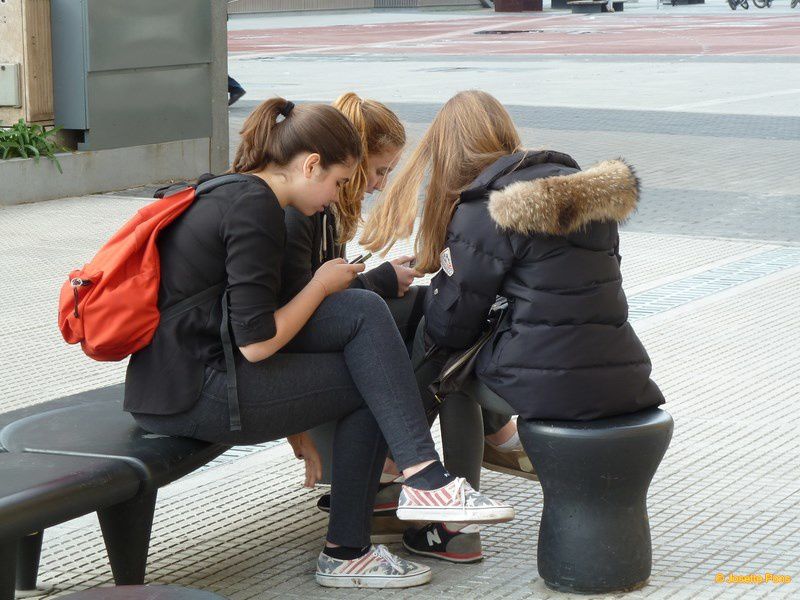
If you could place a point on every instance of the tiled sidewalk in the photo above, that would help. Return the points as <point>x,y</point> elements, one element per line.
<point>724,500</point>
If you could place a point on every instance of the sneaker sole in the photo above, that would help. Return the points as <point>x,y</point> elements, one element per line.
<point>456,515</point>
<point>447,556</point>
<point>509,471</point>
<point>372,581</point>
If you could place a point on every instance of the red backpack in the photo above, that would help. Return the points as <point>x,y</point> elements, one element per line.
<point>110,306</point>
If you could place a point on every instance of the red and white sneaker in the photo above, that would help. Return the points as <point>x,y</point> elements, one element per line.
<point>457,501</point>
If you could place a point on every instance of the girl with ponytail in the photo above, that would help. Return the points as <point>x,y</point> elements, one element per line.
<point>311,241</point>
<point>235,369</point>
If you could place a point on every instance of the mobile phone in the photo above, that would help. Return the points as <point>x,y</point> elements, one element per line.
<point>361,258</point>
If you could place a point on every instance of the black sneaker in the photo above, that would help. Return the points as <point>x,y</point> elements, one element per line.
<point>437,541</point>
<point>385,500</point>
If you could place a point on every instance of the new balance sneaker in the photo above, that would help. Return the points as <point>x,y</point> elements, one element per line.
<point>514,462</point>
<point>437,541</point>
<point>455,502</point>
<point>385,500</point>
<point>378,568</point>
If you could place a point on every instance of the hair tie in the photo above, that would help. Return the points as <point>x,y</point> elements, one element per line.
<point>287,109</point>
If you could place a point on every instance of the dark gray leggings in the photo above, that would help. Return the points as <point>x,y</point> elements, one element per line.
<point>406,312</point>
<point>348,364</point>
<point>464,417</point>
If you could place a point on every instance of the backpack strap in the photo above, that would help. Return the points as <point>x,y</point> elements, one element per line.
<point>206,295</point>
<point>191,302</point>
<point>227,345</point>
<point>224,328</point>
<point>216,182</point>
<point>230,366</point>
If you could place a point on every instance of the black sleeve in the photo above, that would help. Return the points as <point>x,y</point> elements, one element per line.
<point>458,301</point>
<point>298,267</point>
<point>254,234</point>
<point>382,280</point>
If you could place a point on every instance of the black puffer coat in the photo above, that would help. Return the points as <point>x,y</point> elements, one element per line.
<point>535,229</point>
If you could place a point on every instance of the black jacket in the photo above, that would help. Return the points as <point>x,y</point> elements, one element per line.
<point>310,241</point>
<point>234,234</point>
<point>535,229</point>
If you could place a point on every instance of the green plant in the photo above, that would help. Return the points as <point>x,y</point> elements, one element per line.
<point>29,141</point>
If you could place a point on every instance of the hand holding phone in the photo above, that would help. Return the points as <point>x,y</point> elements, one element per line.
<point>336,275</point>
<point>406,273</point>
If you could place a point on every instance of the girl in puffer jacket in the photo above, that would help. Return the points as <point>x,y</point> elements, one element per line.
<point>533,228</point>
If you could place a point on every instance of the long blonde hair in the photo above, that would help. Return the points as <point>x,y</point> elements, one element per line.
<point>471,131</point>
<point>380,130</point>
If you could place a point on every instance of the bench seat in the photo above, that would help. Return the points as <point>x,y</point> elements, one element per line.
<point>84,454</point>
<point>40,490</point>
<point>101,428</point>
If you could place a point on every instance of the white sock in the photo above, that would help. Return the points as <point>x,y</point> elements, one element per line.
<point>511,444</point>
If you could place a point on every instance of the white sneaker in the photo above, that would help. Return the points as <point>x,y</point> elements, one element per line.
<point>456,501</point>
<point>378,568</point>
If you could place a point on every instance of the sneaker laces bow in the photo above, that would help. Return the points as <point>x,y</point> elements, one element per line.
<point>384,553</point>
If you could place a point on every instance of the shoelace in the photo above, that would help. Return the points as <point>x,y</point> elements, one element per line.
<point>384,553</point>
<point>460,492</point>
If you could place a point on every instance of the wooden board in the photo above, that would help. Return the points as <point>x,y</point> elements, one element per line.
<point>25,39</point>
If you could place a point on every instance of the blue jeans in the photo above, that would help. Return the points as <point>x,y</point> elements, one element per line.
<point>348,364</point>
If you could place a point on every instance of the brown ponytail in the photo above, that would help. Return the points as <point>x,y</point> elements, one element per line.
<point>379,129</point>
<point>315,128</point>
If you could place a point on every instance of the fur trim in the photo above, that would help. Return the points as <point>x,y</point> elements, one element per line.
<point>560,205</point>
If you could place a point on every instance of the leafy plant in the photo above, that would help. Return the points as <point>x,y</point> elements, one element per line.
<point>29,141</point>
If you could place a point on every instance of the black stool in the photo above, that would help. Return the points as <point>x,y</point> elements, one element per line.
<point>594,535</point>
<point>143,592</point>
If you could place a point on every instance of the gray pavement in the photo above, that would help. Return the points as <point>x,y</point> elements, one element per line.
<point>722,175</point>
<point>712,270</point>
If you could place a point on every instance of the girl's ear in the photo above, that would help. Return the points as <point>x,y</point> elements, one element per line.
<point>312,161</point>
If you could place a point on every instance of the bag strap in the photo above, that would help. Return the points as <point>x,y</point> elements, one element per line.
<point>216,182</point>
<point>227,345</point>
<point>191,302</point>
<point>230,366</point>
<point>224,328</point>
<point>206,295</point>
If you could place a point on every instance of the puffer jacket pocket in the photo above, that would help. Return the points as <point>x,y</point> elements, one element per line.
<point>501,336</point>
<point>440,305</point>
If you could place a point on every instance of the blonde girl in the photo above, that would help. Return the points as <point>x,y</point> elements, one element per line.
<point>531,227</point>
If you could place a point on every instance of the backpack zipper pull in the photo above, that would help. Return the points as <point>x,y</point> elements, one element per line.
<point>77,282</point>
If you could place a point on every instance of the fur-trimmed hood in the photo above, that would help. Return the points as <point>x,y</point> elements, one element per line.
<point>563,204</point>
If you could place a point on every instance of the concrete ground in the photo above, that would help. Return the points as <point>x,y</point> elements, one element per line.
<point>706,108</point>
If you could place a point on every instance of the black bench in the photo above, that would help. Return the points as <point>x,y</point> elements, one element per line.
<point>587,6</point>
<point>77,455</point>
